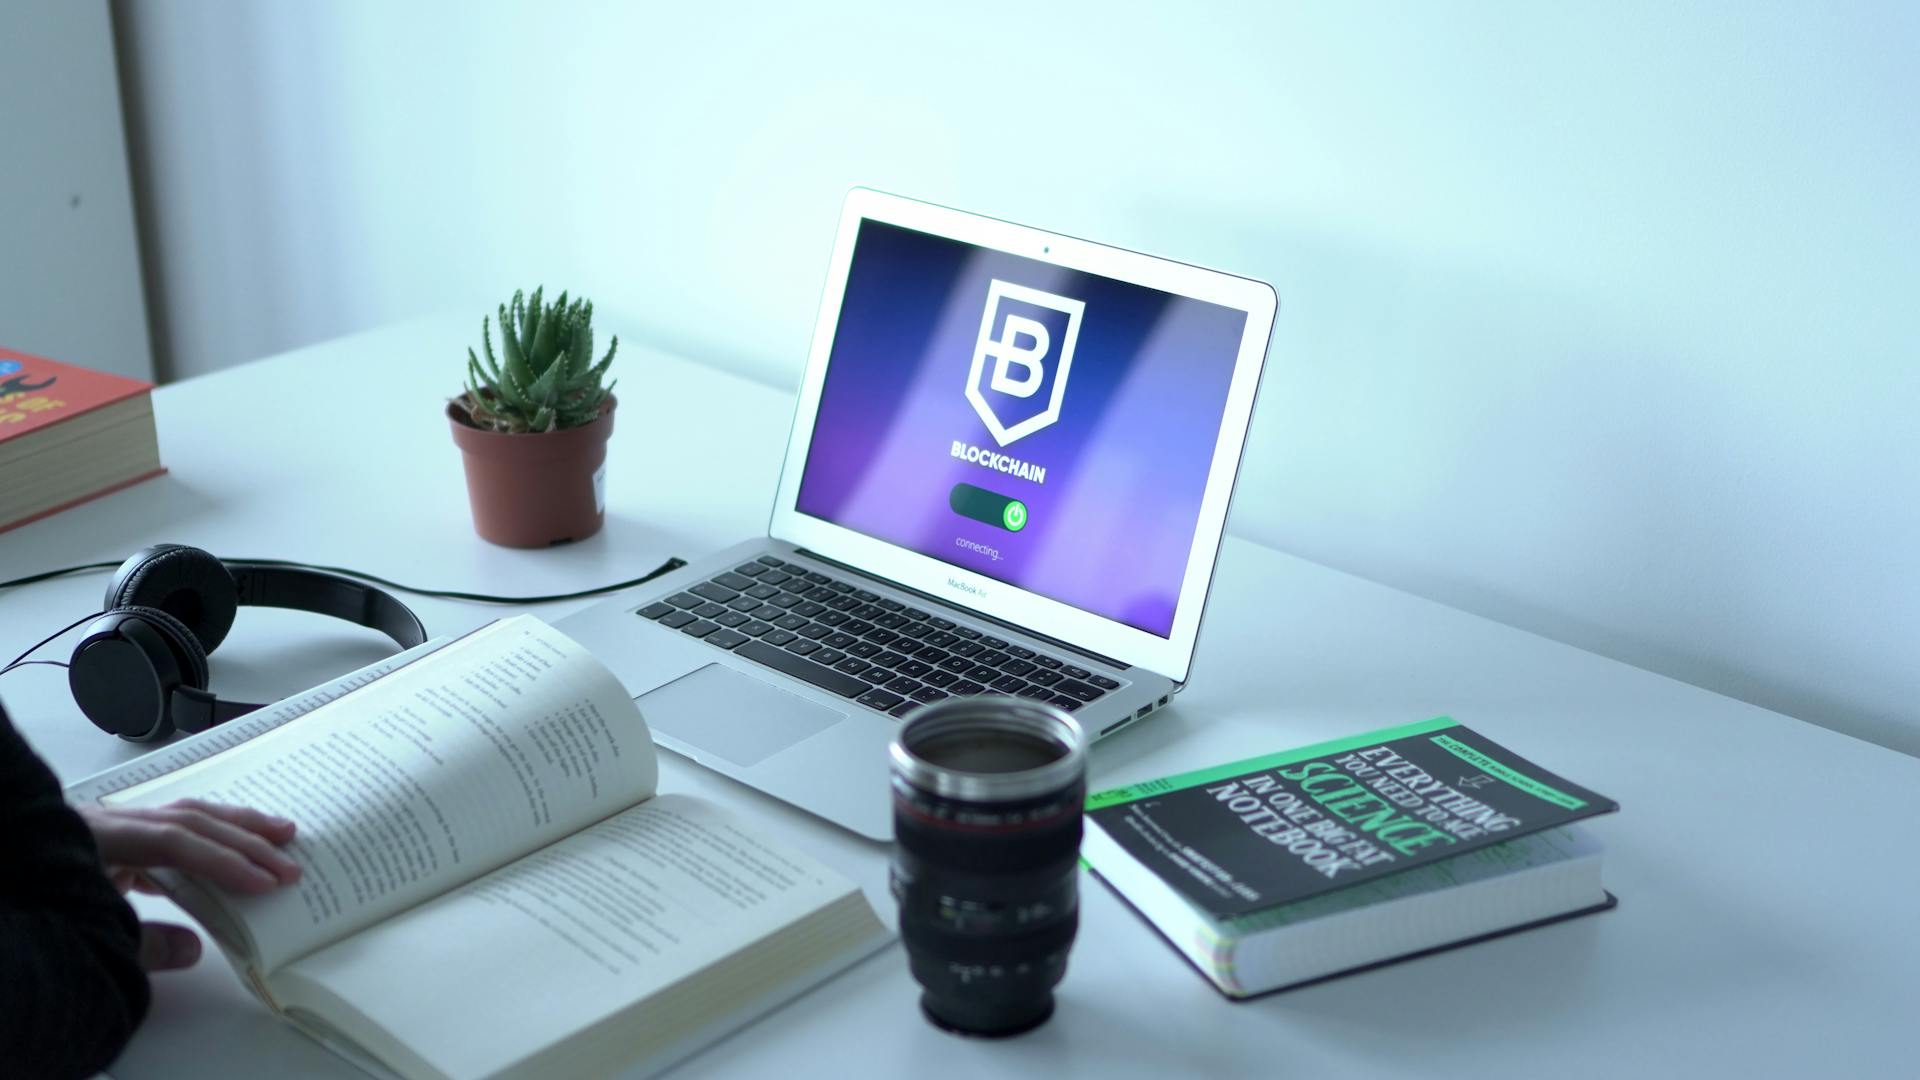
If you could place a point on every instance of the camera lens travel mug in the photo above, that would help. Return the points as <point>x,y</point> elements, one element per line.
<point>987,800</point>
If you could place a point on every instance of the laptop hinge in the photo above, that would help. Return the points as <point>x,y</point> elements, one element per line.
<point>971,614</point>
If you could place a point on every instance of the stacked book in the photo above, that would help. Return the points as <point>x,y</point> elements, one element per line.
<point>68,434</point>
<point>1282,870</point>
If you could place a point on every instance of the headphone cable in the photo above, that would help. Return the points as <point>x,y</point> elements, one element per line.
<point>22,661</point>
<point>49,575</point>
<point>670,565</point>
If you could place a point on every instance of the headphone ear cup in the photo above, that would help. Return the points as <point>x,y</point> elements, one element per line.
<point>182,641</point>
<point>125,671</point>
<point>185,583</point>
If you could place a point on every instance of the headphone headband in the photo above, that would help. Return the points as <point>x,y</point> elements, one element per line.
<point>193,710</point>
<point>327,594</point>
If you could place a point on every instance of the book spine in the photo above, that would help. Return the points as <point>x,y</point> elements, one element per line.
<point>1214,956</point>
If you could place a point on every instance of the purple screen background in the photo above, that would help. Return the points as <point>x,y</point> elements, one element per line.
<point>1111,528</point>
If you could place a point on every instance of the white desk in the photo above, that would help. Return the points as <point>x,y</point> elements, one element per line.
<point>1765,866</point>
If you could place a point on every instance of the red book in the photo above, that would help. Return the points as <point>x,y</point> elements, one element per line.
<point>69,434</point>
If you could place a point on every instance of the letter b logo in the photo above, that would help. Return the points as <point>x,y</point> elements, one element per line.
<point>1008,352</point>
<point>1018,330</point>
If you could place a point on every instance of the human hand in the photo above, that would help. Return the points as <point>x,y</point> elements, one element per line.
<point>234,847</point>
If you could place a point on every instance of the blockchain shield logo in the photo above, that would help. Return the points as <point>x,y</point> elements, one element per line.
<point>1022,358</point>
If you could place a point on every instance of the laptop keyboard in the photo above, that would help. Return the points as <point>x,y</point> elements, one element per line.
<point>881,653</point>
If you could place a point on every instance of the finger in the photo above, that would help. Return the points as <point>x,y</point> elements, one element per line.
<point>166,947</point>
<point>276,829</point>
<point>173,845</point>
<point>123,835</point>
<point>144,884</point>
<point>108,828</point>
<point>250,844</point>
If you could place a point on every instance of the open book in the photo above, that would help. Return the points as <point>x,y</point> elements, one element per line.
<point>491,886</point>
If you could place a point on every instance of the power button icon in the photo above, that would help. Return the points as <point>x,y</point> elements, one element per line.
<point>1014,517</point>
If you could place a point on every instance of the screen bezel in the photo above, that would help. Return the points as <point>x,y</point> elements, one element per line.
<point>1170,656</point>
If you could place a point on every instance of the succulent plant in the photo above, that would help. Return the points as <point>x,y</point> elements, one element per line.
<point>545,378</point>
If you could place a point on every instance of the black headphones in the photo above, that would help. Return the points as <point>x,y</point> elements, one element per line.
<point>141,670</point>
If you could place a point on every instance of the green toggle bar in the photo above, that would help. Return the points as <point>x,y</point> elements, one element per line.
<point>983,505</point>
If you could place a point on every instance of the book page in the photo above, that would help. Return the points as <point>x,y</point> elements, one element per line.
<point>519,960</point>
<point>425,780</point>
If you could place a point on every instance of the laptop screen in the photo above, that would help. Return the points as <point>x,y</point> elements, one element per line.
<point>1041,426</point>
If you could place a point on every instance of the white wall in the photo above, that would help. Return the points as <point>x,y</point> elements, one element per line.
<point>1598,320</point>
<point>69,264</point>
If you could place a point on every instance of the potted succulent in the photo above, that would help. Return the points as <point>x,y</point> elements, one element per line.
<point>532,425</point>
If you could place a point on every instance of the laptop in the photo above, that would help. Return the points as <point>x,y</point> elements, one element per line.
<point>1008,474</point>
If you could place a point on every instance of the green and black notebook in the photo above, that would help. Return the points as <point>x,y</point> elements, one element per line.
<point>1285,869</point>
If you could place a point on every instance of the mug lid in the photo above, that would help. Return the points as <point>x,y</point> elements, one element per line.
<point>987,717</point>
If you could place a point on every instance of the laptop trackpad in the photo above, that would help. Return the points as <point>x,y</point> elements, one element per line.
<point>732,715</point>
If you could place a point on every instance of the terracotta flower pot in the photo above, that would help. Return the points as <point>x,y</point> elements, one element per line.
<point>530,491</point>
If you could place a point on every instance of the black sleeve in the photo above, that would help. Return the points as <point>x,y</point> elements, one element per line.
<point>71,986</point>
